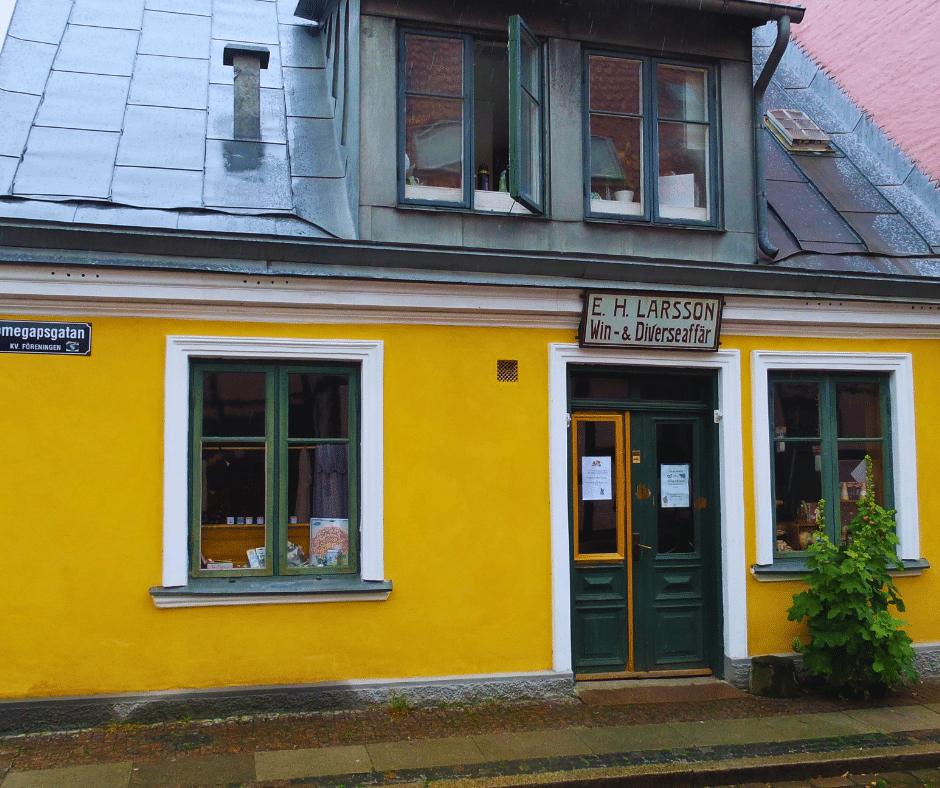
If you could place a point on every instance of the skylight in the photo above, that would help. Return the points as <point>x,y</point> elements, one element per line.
<point>797,130</point>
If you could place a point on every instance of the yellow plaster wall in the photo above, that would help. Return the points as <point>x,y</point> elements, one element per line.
<point>466,519</point>
<point>466,522</point>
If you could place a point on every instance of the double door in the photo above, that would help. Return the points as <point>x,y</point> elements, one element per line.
<point>645,543</point>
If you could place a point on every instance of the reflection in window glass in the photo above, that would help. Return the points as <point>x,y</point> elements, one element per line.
<point>859,410</point>
<point>434,115</point>
<point>318,406</point>
<point>616,135</point>
<point>234,503</point>
<point>233,404</point>
<point>796,410</point>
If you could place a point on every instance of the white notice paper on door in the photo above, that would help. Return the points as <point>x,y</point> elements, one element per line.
<point>595,479</point>
<point>673,486</point>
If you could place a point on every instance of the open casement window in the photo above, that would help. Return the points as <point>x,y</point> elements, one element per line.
<point>650,140</point>
<point>471,129</point>
<point>823,426</point>
<point>274,469</point>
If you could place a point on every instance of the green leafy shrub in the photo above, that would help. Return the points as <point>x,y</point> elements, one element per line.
<point>857,646</point>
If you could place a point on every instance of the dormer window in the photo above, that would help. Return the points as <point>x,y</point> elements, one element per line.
<point>471,121</point>
<point>650,140</point>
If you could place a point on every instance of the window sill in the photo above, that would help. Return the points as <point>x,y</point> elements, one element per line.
<point>214,592</point>
<point>639,221</point>
<point>795,569</point>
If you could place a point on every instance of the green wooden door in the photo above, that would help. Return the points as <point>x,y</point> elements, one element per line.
<point>647,603</point>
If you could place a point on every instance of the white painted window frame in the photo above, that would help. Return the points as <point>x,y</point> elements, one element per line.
<point>900,370</point>
<point>727,363</point>
<point>180,350</point>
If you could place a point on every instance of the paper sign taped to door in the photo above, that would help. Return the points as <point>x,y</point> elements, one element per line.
<point>674,486</point>
<point>596,479</point>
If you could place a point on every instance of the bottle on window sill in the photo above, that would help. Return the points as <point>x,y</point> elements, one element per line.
<point>483,178</point>
<point>503,181</point>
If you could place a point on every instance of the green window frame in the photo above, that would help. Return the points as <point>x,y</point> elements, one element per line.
<point>274,464</point>
<point>444,137</point>
<point>822,426</point>
<point>651,140</point>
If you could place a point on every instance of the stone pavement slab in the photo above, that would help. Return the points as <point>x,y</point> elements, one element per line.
<point>210,770</point>
<point>709,733</point>
<point>815,726</point>
<point>295,764</point>
<point>424,753</point>
<point>531,744</point>
<point>898,718</point>
<point>106,775</point>
<point>630,738</point>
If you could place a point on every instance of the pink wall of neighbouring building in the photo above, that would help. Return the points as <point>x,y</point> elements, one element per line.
<point>886,55</point>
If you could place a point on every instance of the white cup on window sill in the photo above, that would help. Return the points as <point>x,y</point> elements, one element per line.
<point>625,195</point>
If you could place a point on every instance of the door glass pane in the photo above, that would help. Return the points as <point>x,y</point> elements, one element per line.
<point>852,482</point>
<point>233,404</point>
<point>319,406</point>
<point>597,485</point>
<point>683,170</point>
<point>681,93</point>
<point>675,519</point>
<point>233,491</point>
<point>858,410</point>
<point>318,505</point>
<point>796,410</point>
<point>797,490</point>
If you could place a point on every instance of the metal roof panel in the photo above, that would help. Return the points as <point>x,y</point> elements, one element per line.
<point>302,46</point>
<point>104,13</point>
<point>16,118</point>
<point>84,101</point>
<point>158,188</point>
<point>67,163</point>
<point>197,7</point>
<point>42,22</point>
<point>25,65</point>
<point>313,149</point>
<point>163,137</point>
<point>807,215</point>
<point>843,184</point>
<point>170,82</point>
<point>887,233</point>
<point>250,23</point>
<point>242,174</point>
<point>307,93</point>
<point>97,50</point>
<point>176,35</point>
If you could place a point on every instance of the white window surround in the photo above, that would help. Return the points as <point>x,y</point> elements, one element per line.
<point>727,363</point>
<point>181,349</point>
<point>900,368</point>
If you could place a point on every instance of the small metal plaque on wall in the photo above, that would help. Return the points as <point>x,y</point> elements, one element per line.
<point>48,338</point>
<point>660,321</point>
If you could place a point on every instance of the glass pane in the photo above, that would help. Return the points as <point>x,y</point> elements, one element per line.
<point>615,85</point>
<point>852,484</point>
<point>796,410</point>
<point>434,145</point>
<point>797,491</point>
<point>233,507</point>
<point>318,505</point>
<point>434,65</point>
<point>683,171</point>
<point>530,67</point>
<point>318,406</point>
<point>681,93</point>
<point>675,518</point>
<point>233,404</point>
<point>597,500</point>
<point>616,164</point>
<point>858,410</point>
<point>531,172</point>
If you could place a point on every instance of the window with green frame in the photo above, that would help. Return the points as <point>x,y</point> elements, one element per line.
<point>650,140</point>
<point>275,469</point>
<point>471,120</point>
<point>823,426</point>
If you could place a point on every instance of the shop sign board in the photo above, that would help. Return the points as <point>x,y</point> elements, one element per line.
<point>655,321</point>
<point>34,336</point>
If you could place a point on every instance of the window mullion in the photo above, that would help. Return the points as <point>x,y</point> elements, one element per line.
<point>829,444</point>
<point>277,470</point>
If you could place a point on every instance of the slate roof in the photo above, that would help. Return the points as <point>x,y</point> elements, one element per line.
<point>121,114</point>
<point>865,207</point>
